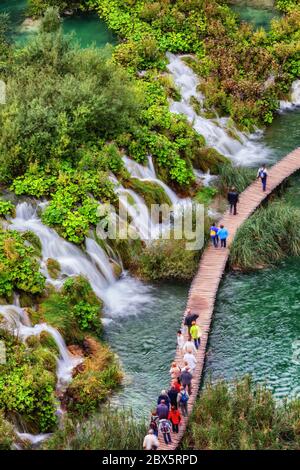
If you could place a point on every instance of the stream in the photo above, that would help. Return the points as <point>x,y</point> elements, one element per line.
<point>256,323</point>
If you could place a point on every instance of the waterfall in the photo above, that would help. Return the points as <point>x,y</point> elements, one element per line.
<point>94,264</point>
<point>295,98</point>
<point>18,323</point>
<point>243,150</point>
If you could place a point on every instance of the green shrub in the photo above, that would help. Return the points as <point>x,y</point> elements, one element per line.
<point>7,434</point>
<point>74,311</point>
<point>168,260</point>
<point>19,269</point>
<point>237,177</point>
<point>26,386</point>
<point>6,208</point>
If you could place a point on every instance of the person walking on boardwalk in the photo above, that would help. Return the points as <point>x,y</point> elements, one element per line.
<point>263,175</point>
<point>173,392</point>
<point>165,428</point>
<point>150,441</point>
<point>175,371</point>
<point>186,380</point>
<point>195,332</point>
<point>213,232</point>
<point>233,199</point>
<point>182,401</point>
<point>154,421</point>
<point>174,418</point>
<point>223,234</point>
<point>180,340</point>
<point>189,318</point>
<point>176,384</point>
<point>162,410</point>
<point>189,345</point>
<point>191,361</point>
<point>164,396</point>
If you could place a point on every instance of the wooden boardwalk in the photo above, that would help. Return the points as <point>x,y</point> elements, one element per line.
<point>204,288</point>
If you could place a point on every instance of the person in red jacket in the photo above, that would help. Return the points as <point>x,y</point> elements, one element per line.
<point>175,418</point>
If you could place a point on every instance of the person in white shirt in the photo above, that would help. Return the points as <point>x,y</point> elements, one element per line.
<point>150,441</point>
<point>191,361</point>
<point>180,339</point>
<point>263,174</point>
<point>189,346</point>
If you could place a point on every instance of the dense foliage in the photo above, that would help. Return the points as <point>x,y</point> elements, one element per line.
<point>242,417</point>
<point>19,267</point>
<point>243,72</point>
<point>74,310</point>
<point>27,384</point>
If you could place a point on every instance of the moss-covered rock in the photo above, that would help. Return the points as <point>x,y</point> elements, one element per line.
<point>53,268</point>
<point>34,241</point>
<point>209,159</point>
<point>7,434</point>
<point>151,192</point>
<point>101,374</point>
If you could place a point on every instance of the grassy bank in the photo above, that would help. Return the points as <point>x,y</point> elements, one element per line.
<point>242,416</point>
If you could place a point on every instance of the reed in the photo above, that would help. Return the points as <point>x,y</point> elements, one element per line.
<point>242,416</point>
<point>270,235</point>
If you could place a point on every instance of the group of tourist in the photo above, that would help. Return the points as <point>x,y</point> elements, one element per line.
<point>172,405</point>
<point>220,234</point>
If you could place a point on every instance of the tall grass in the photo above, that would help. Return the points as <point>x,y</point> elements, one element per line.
<point>242,417</point>
<point>110,429</point>
<point>238,177</point>
<point>271,234</point>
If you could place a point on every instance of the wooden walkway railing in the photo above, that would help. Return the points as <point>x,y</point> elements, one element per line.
<point>204,288</point>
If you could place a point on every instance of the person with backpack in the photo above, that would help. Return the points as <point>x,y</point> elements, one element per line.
<point>162,410</point>
<point>164,396</point>
<point>182,401</point>
<point>195,332</point>
<point>186,379</point>
<point>213,232</point>
<point>165,428</point>
<point>263,175</point>
<point>223,234</point>
<point>154,421</point>
<point>172,393</point>
<point>174,418</point>
<point>233,199</point>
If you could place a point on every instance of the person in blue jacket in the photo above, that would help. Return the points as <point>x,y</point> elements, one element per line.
<point>223,234</point>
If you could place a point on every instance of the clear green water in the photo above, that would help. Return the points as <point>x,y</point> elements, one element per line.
<point>87,29</point>
<point>145,344</point>
<point>256,322</point>
<point>258,17</point>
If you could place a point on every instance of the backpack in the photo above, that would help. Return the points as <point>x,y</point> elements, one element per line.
<point>213,233</point>
<point>184,397</point>
<point>153,423</point>
<point>165,427</point>
<point>262,174</point>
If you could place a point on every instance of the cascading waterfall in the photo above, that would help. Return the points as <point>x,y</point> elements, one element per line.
<point>295,98</point>
<point>245,150</point>
<point>94,265</point>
